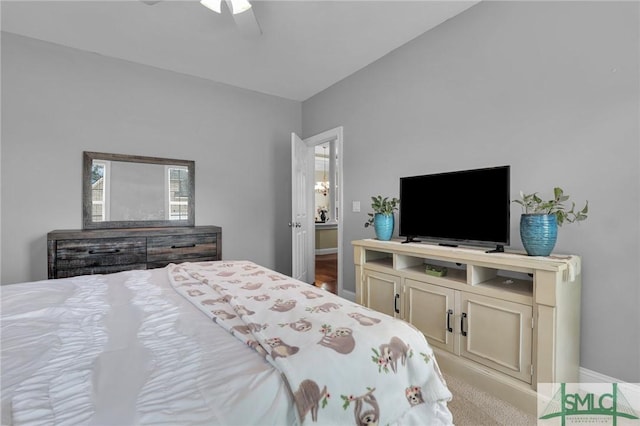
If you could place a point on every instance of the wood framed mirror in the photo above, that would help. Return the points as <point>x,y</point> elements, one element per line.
<point>130,191</point>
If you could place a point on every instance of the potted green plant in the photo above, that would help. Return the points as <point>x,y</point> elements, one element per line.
<point>382,217</point>
<point>541,218</point>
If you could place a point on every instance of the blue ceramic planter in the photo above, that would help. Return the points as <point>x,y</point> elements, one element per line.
<point>538,233</point>
<point>383,226</point>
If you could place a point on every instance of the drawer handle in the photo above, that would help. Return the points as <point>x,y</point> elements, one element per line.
<point>183,246</point>
<point>105,251</point>
<point>395,303</point>
<point>462,330</point>
<point>449,328</point>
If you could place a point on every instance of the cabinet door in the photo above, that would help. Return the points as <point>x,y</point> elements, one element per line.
<point>497,333</point>
<point>430,308</point>
<point>382,292</point>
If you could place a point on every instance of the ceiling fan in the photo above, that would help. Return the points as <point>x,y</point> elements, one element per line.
<point>241,11</point>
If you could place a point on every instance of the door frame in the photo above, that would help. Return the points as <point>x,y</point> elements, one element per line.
<point>335,134</point>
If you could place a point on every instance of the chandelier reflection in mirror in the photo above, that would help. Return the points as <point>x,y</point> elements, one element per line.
<point>322,187</point>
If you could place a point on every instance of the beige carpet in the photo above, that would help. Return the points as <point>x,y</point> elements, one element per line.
<point>473,407</point>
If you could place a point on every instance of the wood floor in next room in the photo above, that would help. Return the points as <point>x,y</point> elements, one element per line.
<point>327,272</point>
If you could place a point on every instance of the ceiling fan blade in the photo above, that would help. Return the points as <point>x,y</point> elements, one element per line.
<point>247,23</point>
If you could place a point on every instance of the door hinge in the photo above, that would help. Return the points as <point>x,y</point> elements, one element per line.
<point>531,370</point>
<point>533,322</point>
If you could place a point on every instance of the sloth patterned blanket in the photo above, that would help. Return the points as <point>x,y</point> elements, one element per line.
<point>343,363</point>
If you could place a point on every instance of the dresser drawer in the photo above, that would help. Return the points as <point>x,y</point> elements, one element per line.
<point>162,250</point>
<point>91,254</point>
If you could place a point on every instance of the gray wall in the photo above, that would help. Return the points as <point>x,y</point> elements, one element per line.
<point>550,88</point>
<point>58,102</point>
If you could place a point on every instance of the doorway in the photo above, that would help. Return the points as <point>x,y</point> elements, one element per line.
<point>326,216</point>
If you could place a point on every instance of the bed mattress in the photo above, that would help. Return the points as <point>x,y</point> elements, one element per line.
<point>126,348</point>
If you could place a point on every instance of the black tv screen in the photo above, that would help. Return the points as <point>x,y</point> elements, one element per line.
<point>462,207</point>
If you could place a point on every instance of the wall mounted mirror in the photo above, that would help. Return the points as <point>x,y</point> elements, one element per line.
<point>129,191</point>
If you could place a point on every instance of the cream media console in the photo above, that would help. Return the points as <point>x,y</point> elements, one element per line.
<point>502,321</point>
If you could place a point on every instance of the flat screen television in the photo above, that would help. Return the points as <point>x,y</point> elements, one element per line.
<point>470,207</point>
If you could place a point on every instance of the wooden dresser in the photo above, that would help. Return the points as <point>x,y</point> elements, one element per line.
<point>102,251</point>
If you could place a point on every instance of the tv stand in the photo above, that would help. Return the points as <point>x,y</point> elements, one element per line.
<point>504,321</point>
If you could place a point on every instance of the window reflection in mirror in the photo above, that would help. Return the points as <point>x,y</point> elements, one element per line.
<point>178,193</point>
<point>98,191</point>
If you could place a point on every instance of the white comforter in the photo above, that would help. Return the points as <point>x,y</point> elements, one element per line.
<point>126,349</point>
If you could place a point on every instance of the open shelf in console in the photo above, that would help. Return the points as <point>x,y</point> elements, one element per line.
<point>417,266</point>
<point>379,258</point>
<point>504,281</point>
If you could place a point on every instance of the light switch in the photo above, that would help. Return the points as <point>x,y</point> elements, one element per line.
<point>355,206</point>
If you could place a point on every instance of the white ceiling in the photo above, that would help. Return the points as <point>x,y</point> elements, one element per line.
<point>305,46</point>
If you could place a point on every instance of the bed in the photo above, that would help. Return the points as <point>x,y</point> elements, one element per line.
<point>216,343</point>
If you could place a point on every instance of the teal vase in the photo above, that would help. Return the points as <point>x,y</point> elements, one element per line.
<point>383,225</point>
<point>538,233</point>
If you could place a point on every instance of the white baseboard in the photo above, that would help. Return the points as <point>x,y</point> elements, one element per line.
<point>591,379</point>
<point>349,295</point>
<point>326,251</point>
<point>590,376</point>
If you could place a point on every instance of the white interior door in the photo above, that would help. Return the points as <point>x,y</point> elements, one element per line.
<point>302,200</point>
<point>301,221</point>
